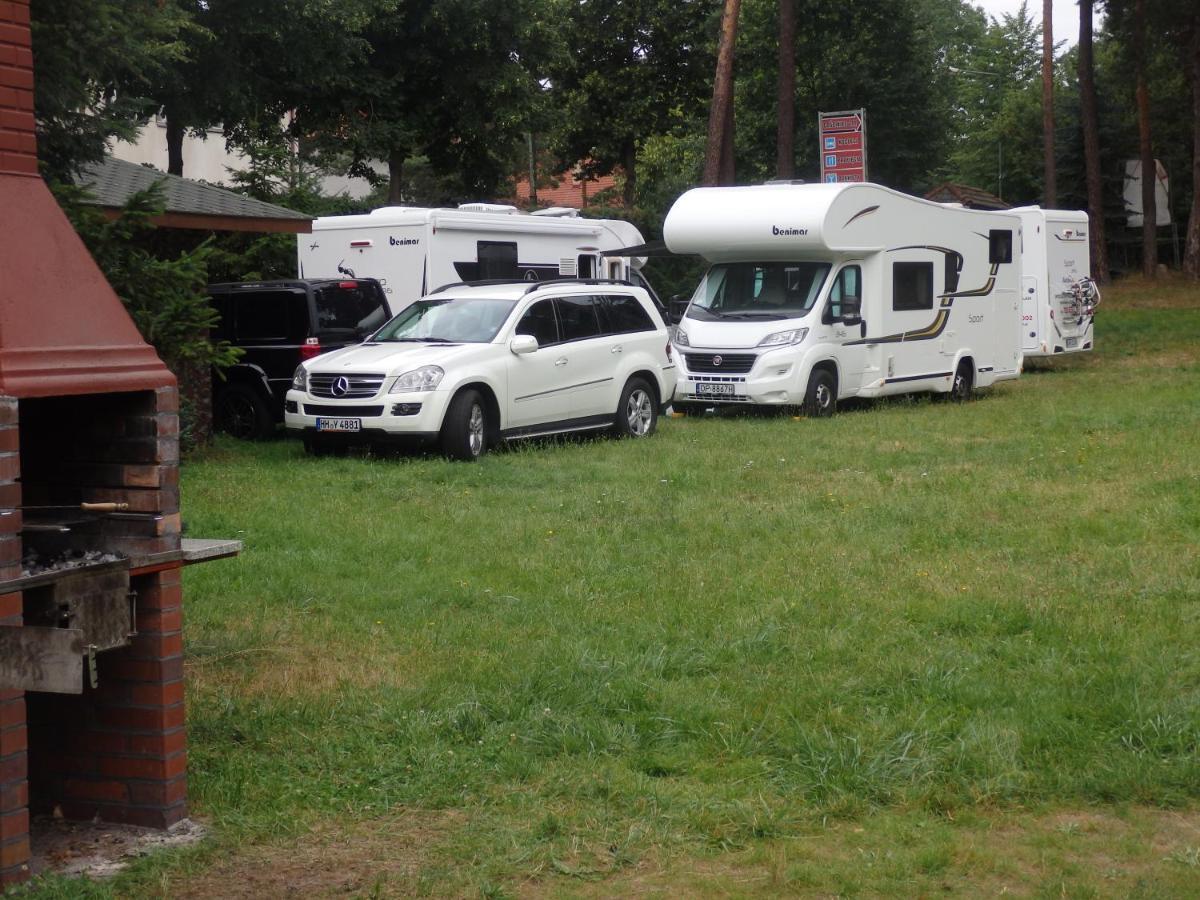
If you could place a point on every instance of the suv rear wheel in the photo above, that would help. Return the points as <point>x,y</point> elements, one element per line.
<point>637,413</point>
<point>241,412</point>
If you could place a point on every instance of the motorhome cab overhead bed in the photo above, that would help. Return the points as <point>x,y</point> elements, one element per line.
<point>821,292</point>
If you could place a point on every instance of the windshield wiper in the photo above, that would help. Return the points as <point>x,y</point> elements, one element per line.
<point>753,314</point>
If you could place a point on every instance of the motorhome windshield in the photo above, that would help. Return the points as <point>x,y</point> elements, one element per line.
<point>758,290</point>
<point>447,321</point>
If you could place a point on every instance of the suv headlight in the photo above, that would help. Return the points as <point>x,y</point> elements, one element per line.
<point>679,337</point>
<point>300,379</point>
<point>425,378</point>
<point>783,338</point>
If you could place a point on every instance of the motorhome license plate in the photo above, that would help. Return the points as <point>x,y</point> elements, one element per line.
<point>1072,342</point>
<point>339,424</point>
<point>704,389</point>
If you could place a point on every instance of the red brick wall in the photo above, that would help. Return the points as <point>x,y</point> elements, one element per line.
<point>14,789</point>
<point>18,147</point>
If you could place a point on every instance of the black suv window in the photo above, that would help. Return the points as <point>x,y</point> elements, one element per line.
<point>269,315</point>
<point>350,306</point>
<point>577,318</point>
<point>626,314</point>
<point>539,321</point>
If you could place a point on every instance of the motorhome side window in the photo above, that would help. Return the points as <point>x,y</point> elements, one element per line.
<point>1000,246</point>
<point>497,259</point>
<point>625,315</point>
<point>577,318</point>
<point>539,321</point>
<point>912,285</point>
<point>847,284</point>
<point>760,290</point>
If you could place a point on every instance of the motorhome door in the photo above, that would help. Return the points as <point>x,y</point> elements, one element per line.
<point>1030,307</point>
<point>589,264</point>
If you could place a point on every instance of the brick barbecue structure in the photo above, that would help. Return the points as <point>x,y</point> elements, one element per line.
<point>88,415</point>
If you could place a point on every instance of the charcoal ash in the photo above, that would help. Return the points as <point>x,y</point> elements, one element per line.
<point>34,563</point>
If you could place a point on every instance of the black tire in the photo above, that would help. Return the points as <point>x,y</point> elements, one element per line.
<point>962,388</point>
<point>820,400</point>
<point>637,410</point>
<point>242,412</point>
<point>465,429</point>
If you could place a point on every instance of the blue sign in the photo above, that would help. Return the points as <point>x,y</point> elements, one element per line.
<point>830,143</point>
<point>830,161</point>
<point>831,178</point>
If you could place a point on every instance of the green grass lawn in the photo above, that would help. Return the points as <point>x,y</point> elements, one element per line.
<point>917,647</point>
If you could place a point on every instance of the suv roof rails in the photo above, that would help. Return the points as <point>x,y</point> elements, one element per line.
<point>533,285</point>
<point>479,282</point>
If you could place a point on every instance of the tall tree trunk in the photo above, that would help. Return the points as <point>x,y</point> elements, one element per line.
<point>1145,148</point>
<point>1050,191</point>
<point>718,113</point>
<point>727,156</point>
<point>1191,253</point>
<point>396,178</point>
<point>174,143</point>
<point>533,201</point>
<point>785,156</point>
<point>629,164</point>
<point>1091,144</point>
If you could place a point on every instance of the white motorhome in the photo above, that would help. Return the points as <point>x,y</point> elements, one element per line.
<point>821,292</point>
<point>413,250</point>
<point>1058,296</point>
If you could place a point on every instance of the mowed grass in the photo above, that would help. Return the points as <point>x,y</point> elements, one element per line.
<point>914,647</point>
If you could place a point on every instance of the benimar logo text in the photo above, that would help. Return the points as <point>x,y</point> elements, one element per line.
<point>788,232</point>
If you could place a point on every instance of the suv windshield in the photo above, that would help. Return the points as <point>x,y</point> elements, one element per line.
<point>766,290</point>
<point>350,306</point>
<point>473,321</point>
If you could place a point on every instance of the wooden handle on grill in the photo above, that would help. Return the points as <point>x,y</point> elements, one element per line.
<point>104,507</point>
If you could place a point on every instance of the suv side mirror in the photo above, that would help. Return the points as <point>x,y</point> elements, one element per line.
<point>522,344</point>
<point>676,307</point>
<point>851,310</point>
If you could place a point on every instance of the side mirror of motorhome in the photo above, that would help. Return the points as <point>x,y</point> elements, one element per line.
<point>851,309</point>
<point>522,344</point>
<point>676,307</point>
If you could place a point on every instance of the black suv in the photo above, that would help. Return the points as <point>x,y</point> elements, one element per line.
<point>278,324</point>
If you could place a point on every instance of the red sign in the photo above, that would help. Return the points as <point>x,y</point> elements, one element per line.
<point>843,145</point>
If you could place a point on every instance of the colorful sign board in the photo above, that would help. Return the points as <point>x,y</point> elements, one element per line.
<point>843,138</point>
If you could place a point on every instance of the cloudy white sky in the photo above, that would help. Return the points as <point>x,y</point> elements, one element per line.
<point>1066,15</point>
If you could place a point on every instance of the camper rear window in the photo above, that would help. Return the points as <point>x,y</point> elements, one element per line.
<point>912,285</point>
<point>772,290</point>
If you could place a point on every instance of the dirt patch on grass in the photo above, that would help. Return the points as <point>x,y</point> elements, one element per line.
<point>383,857</point>
<point>1079,852</point>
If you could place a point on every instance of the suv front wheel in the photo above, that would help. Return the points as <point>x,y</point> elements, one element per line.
<point>464,432</point>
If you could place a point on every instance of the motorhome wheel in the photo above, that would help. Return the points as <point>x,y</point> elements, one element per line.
<point>821,398</point>
<point>963,386</point>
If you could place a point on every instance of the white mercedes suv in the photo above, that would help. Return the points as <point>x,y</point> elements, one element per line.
<point>471,365</point>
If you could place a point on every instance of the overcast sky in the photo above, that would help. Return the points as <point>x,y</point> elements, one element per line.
<point>1066,15</point>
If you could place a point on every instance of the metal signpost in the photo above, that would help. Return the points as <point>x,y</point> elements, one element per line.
<point>843,145</point>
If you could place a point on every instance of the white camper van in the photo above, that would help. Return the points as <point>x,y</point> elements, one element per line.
<point>413,250</point>
<point>820,292</point>
<point>1058,296</point>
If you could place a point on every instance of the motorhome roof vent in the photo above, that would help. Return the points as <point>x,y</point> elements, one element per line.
<point>501,208</point>
<point>563,212</point>
<point>385,210</point>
